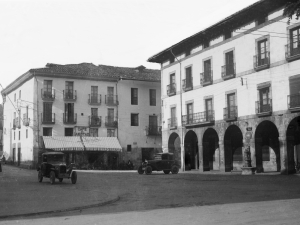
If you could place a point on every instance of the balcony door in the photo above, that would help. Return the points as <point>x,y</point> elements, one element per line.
<point>264,98</point>
<point>153,124</point>
<point>188,77</point>
<point>294,92</point>
<point>110,115</point>
<point>189,110</point>
<point>47,111</point>
<point>110,95</point>
<point>207,70</point>
<point>69,89</point>
<point>172,83</point>
<point>231,105</point>
<point>94,94</point>
<point>47,88</point>
<point>295,41</point>
<point>209,109</point>
<point>229,63</point>
<point>173,117</point>
<point>69,112</point>
<point>262,52</point>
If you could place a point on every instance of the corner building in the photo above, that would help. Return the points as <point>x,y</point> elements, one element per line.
<point>234,83</point>
<point>97,115</point>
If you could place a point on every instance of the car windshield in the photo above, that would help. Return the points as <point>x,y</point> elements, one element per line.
<point>55,159</point>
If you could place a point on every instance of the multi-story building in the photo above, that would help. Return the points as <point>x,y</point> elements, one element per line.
<point>105,114</point>
<point>232,85</point>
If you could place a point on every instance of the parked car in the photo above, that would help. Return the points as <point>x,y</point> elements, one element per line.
<point>162,162</point>
<point>54,167</point>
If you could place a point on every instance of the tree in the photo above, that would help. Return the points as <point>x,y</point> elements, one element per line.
<point>291,8</point>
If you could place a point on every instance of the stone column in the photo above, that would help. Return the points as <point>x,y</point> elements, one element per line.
<point>283,155</point>
<point>221,156</point>
<point>200,152</point>
<point>182,157</point>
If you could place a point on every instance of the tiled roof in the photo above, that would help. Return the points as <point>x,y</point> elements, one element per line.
<point>101,71</point>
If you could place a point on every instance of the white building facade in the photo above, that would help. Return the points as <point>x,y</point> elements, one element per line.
<point>234,84</point>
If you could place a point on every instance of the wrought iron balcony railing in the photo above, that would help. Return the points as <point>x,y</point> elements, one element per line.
<point>94,99</point>
<point>230,113</point>
<point>70,118</point>
<point>261,61</point>
<point>153,131</point>
<point>70,95</point>
<point>95,121</point>
<point>198,118</point>
<point>187,85</point>
<point>48,95</point>
<point>111,121</point>
<point>294,102</point>
<point>206,78</point>
<point>111,100</point>
<point>172,122</point>
<point>171,89</point>
<point>48,118</point>
<point>228,71</point>
<point>263,108</point>
<point>292,51</point>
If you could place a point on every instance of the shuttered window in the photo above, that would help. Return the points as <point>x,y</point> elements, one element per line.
<point>295,86</point>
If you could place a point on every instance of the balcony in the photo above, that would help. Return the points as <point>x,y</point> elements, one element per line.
<point>48,95</point>
<point>16,123</point>
<point>111,100</point>
<point>230,113</point>
<point>187,85</point>
<point>94,99</point>
<point>95,121</point>
<point>206,78</point>
<point>70,119</point>
<point>294,102</point>
<point>172,123</point>
<point>111,122</point>
<point>261,61</point>
<point>48,118</point>
<point>228,71</point>
<point>171,89</point>
<point>263,108</point>
<point>70,96</point>
<point>153,131</point>
<point>292,51</point>
<point>26,121</point>
<point>201,118</point>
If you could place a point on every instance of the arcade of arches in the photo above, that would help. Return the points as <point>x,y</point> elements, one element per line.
<point>212,152</point>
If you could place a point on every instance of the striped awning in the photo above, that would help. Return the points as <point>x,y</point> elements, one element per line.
<point>62,143</point>
<point>101,144</point>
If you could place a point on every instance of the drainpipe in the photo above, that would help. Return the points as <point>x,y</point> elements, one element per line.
<point>38,119</point>
<point>181,133</point>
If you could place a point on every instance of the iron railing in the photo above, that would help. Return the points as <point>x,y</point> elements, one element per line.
<point>292,50</point>
<point>228,71</point>
<point>171,89</point>
<point>111,100</point>
<point>263,106</point>
<point>70,95</point>
<point>95,121</point>
<point>293,101</point>
<point>16,123</point>
<point>206,78</point>
<point>153,130</point>
<point>261,61</point>
<point>198,118</point>
<point>172,122</point>
<point>70,118</point>
<point>26,121</point>
<point>48,95</point>
<point>48,118</point>
<point>94,99</point>
<point>111,121</point>
<point>187,85</point>
<point>230,113</point>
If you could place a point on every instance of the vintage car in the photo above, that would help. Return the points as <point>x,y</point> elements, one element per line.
<point>54,166</point>
<point>162,162</point>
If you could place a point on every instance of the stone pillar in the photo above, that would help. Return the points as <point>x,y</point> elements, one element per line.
<point>252,151</point>
<point>182,157</point>
<point>221,156</point>
<point>283,155</point>
<point>200,152</point>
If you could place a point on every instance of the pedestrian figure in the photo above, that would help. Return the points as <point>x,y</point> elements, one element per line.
<point>129,165</point>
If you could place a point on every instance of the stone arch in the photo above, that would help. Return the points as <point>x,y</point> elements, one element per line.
<point>267,138</point>
<point>191,156</point>
<point>293,144</point>
<point>233,148</point>
<point>174,146</point>
<point>210,144</point>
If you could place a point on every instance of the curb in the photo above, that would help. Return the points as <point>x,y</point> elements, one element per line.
<point>61,210</point>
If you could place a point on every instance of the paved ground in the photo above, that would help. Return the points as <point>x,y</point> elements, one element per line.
<point>132,198</point>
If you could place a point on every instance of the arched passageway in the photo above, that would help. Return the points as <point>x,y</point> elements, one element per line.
<point>233,147</point>
<point>191,158</point>
<point>210,145</point>
<point>293,144</point>
<point>267,148</point>
<point>174,146</point>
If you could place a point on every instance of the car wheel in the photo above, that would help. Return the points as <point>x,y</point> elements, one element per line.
<point>148,170</point>
<point>52,177</point>
<point>74,177</point>
<point>174,169</point>
<point>60,179</point>
<point>140,170</point>
<point>167,171</point>
<point>40,176</point>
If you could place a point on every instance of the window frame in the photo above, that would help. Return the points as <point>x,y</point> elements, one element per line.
<point>134,99</point>
<point>134,119</point>
<point>152,96</point>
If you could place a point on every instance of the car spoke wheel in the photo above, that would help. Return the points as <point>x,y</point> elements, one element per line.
<point>52,177</point>
<point>175,169</point>
<point>140,170</point>
<point>148,170</point>
<point>60,179</point>
<point>167,171</point>
<point>74,177</point>
<point>40,176</point>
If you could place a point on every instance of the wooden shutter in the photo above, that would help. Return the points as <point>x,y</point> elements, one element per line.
<point>295,86</point>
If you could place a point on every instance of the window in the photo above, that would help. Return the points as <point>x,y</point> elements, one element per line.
<point>110,95</point>
<point>231,107</point>
<point>153,125</point>
<point>206,44</point>
<point>69,90</point>
<point>227,35</point>
<point>68,131</point>
<point>187,53</point>
<point>229,63</point>
<point>265,153</point>
<point>69,113</point>
<point>264,98</point>
<point>294,98</point>
<point>134,119</point>
<point>261,20</point>
<point>189,113</point>
<point>94,94</point>
<point>188,77</point>
<point>134,96</point>
<point>128,148</point>
<point>262,56</point>
<point>47,112</point>
<point>94,132</point>
<point>26,133</point>
<point>152,94</point>
<point>47,131</point>
<point>209,109</point>
<point>295,41</point>
<point>110,132</point>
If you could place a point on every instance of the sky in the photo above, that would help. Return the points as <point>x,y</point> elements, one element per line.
<point>121,33</point>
